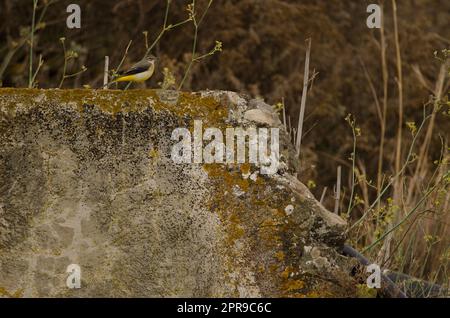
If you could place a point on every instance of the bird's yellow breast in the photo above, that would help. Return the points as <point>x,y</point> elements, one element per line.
<point>139,77</point>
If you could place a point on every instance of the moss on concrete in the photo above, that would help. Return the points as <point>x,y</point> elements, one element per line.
<point>86,178</point>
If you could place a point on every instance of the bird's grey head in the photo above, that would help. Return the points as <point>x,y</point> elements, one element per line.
<point>151,58</point>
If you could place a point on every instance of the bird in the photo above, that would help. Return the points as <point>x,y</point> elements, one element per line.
<point>139,72</point>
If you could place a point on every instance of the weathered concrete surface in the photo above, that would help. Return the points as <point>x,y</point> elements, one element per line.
<point>86,178</point>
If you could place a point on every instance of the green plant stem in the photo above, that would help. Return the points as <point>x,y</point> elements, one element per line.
<point>411,212</point>
<point>41,62</point>
<point>380,195</point>
<point>64,67</point>
<point>124,55</point>
<point>203,56</point>
<point>173,26</point>
<point>33,21</point>
<point>7,59</point>
<point>194,42</point>
<point>350,205</point>
<point>398,151</point>
<point>77,73</point>
<point>385,78</point>
<point>66,58</point>
<point>164,28</point>
<point>194,45</point>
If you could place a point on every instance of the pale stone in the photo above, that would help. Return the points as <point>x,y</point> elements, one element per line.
<point>78,187</point>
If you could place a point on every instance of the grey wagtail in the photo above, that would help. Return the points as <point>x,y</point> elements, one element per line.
<point>139,72</point>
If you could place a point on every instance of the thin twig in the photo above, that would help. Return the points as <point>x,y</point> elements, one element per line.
<point>163,28</point>
<point>7,59</point>
<point>65,63</point>
<point>289,128</point>
<point>411,212</point>
<point>194,42</point>
<point>425,83</point>
<point>353,158</point>
<point>337,196</point>
<point>40,63</point>
<point>105,74</point>
<point>383,191</point>
<point>385,75</point>
<point>284,114</point>
<point>67,57</point>
<point>385,250</point>
<point>398,152</point>
<point>372,89</point>
<point>124,56</point>
<point>33,25</point>
<point>423,152</point>
<point>323,195</point>
<point>303,101</point>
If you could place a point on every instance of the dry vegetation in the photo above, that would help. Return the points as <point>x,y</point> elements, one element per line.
<point>389,80</point>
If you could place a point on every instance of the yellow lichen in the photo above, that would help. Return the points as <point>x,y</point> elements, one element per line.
<point>115,101</point>
<point>291,285</point>
<point>17,294</point>
<point>280,256</point>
